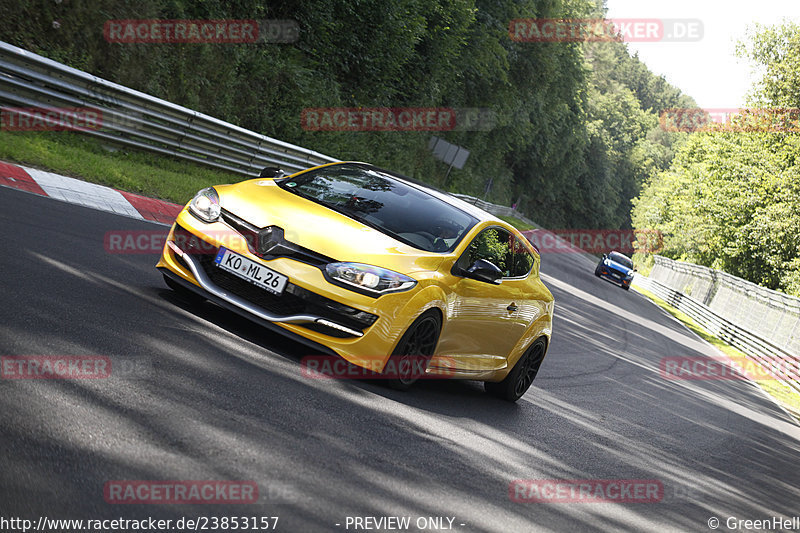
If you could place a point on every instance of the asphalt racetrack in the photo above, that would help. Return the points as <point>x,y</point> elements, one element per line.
<point>214,397</point>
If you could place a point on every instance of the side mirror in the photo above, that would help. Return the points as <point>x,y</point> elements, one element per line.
<point>605,256</point>
<point>486,271</point>
<point>272,172</point>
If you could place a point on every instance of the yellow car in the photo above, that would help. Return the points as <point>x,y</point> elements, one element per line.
<point>363,264</point>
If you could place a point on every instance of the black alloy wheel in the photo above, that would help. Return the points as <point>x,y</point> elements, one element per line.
<point>415,349</point>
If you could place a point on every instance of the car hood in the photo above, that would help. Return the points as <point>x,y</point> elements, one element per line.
<point>263,203</point>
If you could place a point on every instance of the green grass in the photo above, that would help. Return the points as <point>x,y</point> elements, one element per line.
<point>517,223</point>
<point>88,159</point>
<point>774,387</point>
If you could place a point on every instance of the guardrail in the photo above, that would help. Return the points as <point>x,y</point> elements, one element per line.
<point>769,355</point>
<point>138,120</point>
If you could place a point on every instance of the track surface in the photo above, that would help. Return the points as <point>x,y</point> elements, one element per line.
<point>226,400</point>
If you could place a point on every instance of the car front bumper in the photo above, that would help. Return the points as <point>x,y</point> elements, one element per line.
<point>328,326</point>
<point>615,277</point>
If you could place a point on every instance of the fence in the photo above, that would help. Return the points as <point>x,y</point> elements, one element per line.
<point>767,313</point>
<point>759,321</point>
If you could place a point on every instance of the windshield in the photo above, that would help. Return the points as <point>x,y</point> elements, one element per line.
<point>386,203</point>
<point>621,259</point>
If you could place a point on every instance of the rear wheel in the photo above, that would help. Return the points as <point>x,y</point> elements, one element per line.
<point>183,293</point>
<point>416,347</point>
<point>519,380</point>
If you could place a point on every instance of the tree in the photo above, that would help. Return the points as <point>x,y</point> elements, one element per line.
<point>731,197</point>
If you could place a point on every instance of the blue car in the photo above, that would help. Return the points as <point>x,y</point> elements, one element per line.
<point>616,268</point>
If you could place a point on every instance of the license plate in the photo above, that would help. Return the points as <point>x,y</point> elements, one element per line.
<point>248,270</point>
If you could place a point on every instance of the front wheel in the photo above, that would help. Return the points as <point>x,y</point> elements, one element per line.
<point>415,349</point>
<point>519,380</point>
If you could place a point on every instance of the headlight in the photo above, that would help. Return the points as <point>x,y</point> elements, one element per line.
<point>367,279</point>
<point>205,205</point>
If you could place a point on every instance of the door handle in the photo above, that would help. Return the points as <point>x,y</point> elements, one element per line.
<point>511,307</point>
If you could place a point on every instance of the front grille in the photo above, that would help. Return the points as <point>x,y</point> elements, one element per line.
<point>269,243</point>
<point>294,300</point>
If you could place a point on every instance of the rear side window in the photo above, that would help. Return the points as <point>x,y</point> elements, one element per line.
<point>523,260</point>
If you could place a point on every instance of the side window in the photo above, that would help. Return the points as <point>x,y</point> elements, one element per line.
<point>492,244</point>
<point>500,248</point>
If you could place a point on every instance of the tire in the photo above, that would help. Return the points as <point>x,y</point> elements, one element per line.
<point>519,380</point>
<point>183,293</point>
<point>597,272</point>
<point>626,287</point>
<point>419,341</point>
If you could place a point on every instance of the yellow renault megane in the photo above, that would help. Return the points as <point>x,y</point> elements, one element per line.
<point>363,264</point>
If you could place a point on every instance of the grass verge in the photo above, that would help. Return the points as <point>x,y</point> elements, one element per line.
<point>774,387</point>
<point>88,159</point>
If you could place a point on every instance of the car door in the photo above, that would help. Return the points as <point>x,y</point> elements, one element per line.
<point>533,297</point>
<point>483,319</point>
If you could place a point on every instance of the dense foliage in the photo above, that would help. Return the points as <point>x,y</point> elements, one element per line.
<point>576,132</point>
<point>731,198</point>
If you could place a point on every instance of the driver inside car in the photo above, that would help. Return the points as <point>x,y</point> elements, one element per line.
<point>444,231</point>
